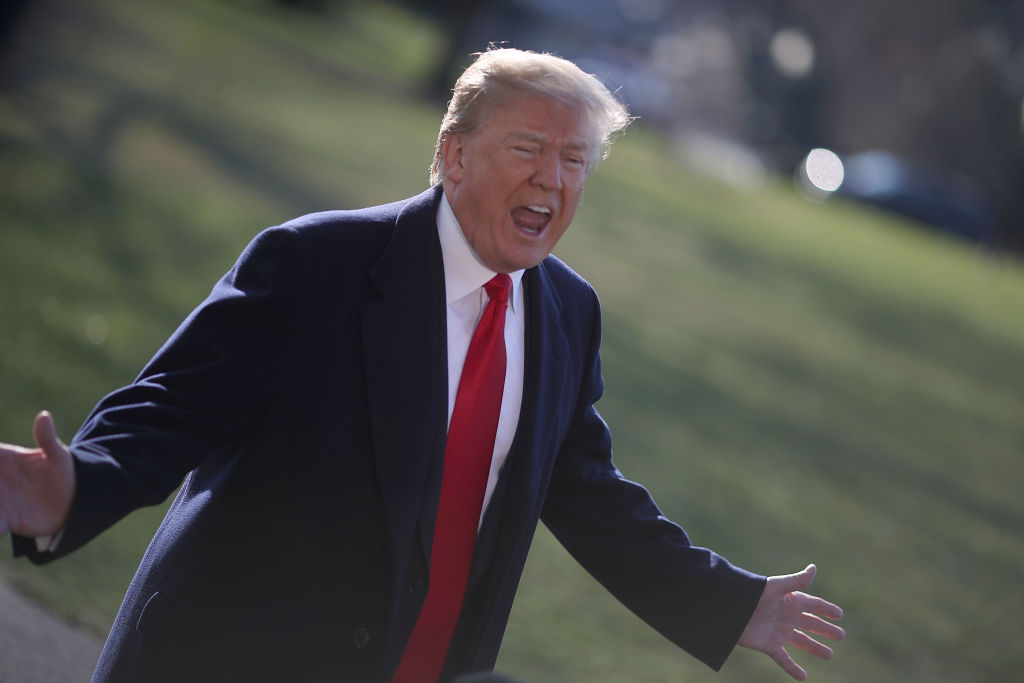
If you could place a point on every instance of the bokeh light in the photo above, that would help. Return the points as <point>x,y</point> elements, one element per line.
<point>821,173</point>
<point>792,53</point>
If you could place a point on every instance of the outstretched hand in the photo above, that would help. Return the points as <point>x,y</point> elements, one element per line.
<point>785,614</point>
<point>37,485</point>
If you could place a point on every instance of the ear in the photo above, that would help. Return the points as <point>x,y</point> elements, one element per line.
<point>451,159</point>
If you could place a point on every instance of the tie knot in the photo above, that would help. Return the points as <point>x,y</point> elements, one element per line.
<point>498,288</point>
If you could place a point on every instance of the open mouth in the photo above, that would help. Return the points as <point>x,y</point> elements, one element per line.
<point>532,219</point>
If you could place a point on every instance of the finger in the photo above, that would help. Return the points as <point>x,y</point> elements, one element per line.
<point>815,624</point>
<point>45,433</point>
<point>815,605</point>
<point>9,450</point>
<point>804,642</point>
<point>783,659</point>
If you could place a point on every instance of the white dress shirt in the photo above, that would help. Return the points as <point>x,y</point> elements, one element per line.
<point>464,278</point>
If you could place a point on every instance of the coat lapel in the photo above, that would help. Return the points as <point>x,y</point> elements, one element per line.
<point>516,503</point>
<point>404,342</point>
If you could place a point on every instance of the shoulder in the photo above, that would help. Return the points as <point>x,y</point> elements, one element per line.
<point>567,283</point>
<point>349,233</point>
<point>572,300</point>
<point>384,213</point>
<point>349,223</point>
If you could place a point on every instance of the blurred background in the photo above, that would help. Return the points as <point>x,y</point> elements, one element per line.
<point>808,250</point>
<point>922,102</point>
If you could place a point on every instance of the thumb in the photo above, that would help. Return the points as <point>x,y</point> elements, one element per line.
<point>799,581</point>
<point>45,434</point>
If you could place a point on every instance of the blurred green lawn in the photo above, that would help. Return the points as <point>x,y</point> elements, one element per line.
<point>794,382</point>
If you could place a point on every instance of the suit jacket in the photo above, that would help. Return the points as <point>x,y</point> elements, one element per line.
<point>304,405</point>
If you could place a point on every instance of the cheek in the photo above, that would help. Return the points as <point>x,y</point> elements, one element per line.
<point>555,235</point>
<point>569,212</point>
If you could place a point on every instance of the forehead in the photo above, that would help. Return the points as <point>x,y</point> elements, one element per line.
<point>541,119</point>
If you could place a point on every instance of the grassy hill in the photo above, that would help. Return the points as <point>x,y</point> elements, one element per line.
<point>794,382</point>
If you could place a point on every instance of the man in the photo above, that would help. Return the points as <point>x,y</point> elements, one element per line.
<point>336,521</point>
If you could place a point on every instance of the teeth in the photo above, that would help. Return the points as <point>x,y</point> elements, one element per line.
<point>539,209</point>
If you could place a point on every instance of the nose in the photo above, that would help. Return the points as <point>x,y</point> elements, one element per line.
<point>548,174</point>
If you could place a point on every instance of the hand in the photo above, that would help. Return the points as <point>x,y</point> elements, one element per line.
<point>784,613</point>
<point>37,485</point>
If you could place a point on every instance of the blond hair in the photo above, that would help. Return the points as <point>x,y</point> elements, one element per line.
<point>500,74</point>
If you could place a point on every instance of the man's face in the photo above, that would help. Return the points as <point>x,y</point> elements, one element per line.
<point>514,183</point>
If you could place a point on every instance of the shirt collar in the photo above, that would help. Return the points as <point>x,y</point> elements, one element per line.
<point>463,272</point>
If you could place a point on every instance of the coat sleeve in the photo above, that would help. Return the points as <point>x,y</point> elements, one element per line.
<point>613,528</point>
<point>221,367</point>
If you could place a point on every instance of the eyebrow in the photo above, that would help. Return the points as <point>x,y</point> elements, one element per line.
<point>578,144</point>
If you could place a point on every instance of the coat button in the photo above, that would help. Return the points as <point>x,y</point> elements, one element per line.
<point>416,586</point>
<point>361,637</point>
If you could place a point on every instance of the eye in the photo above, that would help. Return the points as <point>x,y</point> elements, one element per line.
<point>524,150</point>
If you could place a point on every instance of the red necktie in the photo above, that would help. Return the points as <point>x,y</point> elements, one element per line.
<point>467,461</point>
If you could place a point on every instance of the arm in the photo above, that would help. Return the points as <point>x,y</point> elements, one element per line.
<point>221,367</point>
<point>691,595</point>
